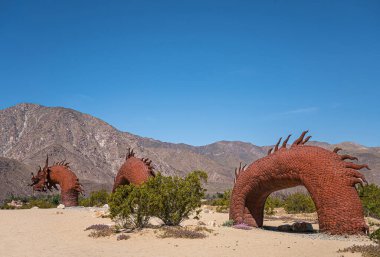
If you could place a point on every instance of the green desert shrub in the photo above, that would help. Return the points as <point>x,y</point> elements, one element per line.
<point>176,198</point>
<point>228,223</point>
<point>221,201</point>
<point>271,203</point>
<point>131,206</point>
<point>369,196</point>
<point>299,203</point>
<point>96,199</point>
<point>172,199</point>
<point>40,203</point>
<point>375,236</point>
<point>55,199</point>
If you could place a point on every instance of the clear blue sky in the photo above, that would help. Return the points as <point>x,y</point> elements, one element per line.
<point>200,71</point>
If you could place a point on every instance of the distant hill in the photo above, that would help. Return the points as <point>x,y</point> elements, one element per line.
<point>14,177</point>
<point>96,150</point>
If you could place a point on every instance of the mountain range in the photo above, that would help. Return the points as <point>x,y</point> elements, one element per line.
<point>96,150</point>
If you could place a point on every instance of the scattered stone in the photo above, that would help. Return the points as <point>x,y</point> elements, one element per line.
<point>15,204</point>
<point>285,228</point>
<point>297,227</point>
<point>201,223</point>
<point>212,223</point>
<point>98,214</point>
<point>61,206</point>
<point>35,207</point>
<point>304,227</point>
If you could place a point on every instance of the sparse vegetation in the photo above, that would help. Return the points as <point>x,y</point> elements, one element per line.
<point>100,230</point>
<point>293,203</point>
<point>271,203</point>
<point>180,232</point>
<point>222,209</point>
<point>201,229</point>
<point>42,203</point>
<point>101,233</point>
<point>172,199</point>
<point>97,227</point>
<point>176,198</point>
<point>228,223</point>
<point>375,236</point>
<point>365,250</point>
<point>132,206</point>
<point>370,196</point>
<point>299,203</point>
<point>122,237</point>
<point>27,202</point>
<point>221,201</point>
<point>96,199</point>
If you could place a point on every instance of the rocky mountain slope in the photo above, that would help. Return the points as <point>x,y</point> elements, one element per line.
<point>96,150</point>
<point>14,177</point>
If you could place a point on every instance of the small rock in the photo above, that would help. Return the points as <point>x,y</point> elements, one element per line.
<point>106,206</point>
<point>61,206</point>
<point>285,228</point>
<point>302,227</point>
<point>298,227</point>
<point>35,207</point>
<point>100,214</point>
<point>212,223</point>
<point>206,211</point>
<point>201,223</point>
<point>15,204</point>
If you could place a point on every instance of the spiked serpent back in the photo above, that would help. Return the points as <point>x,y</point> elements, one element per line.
<point>134,170</point>
<point>328,177</point>
<point>59,173</point>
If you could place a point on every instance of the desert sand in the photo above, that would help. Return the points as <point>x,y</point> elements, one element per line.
<point>56,232</point>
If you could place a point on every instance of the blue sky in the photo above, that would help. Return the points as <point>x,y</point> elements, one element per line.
<point>200,71</point>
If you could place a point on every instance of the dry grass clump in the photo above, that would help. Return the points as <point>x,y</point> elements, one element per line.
<point>101,233</point>
<point>97,227</point>
<point>180,232</point>
<point>365,250</point>
<point>201,229</point>
<point>122,237</point>
<point>100,230</point>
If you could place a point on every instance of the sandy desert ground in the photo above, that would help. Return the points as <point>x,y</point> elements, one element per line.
<point>54,232</point>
